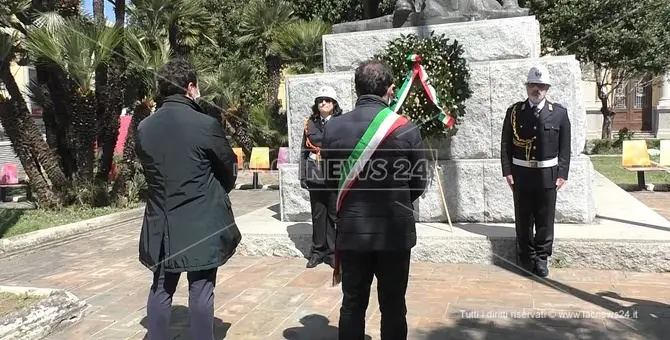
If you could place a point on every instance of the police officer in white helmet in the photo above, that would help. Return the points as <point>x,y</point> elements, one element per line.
<point>535,158</point>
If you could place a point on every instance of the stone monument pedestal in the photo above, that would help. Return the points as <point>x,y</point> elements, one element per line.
<point>499,53</point>
<point>662,116</point>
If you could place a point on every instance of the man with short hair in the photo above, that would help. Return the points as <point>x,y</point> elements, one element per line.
<point>188,222</point>
<point>375,216</point>
<point>535,158</point>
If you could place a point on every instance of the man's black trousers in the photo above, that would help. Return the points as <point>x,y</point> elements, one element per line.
<point>323,221</point>
<point>392,272</point>
<point>534,206</point>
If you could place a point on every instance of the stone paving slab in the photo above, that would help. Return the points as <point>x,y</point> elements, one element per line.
<point>278,298</point>
<point>659,201</point>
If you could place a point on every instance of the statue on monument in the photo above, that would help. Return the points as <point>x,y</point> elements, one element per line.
<point>430,12</point>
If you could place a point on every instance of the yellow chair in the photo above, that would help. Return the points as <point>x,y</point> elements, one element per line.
<point>240,157</point>
<point>259,160</point>
<point>634,154</point>
<point>665,153</point>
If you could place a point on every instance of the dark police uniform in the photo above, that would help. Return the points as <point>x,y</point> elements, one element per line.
<point>322,201</point>
<point>535,150</point>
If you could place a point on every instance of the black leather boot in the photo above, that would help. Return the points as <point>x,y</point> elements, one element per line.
<point>541,268</point>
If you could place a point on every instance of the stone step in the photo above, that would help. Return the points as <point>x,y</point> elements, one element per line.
<point>484,40</point>
<point>496,85</point>
<point>626,235</point>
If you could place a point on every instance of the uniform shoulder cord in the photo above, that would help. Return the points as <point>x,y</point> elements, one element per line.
<point>308,142</point>
<point>523,143</point>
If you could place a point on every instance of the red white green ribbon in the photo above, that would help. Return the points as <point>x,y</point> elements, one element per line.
<point>384,123</point>
<point>418,71</point>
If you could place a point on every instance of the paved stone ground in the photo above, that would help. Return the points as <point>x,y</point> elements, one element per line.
<point>657,200</point>
<point>264,177</point>
<point>275,298</point>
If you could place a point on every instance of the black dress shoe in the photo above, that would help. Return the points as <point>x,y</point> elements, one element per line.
<point>541,269</point>
<point>314,261</point>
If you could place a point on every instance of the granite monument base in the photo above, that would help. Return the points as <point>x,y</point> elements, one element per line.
<point>474,191</point>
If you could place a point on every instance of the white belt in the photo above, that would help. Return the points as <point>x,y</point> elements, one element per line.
<point>536,164</point>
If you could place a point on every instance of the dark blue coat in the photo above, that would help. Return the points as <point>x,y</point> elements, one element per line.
<point>190,168</point>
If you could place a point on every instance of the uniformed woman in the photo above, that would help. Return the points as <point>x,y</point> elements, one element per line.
<point>311,178</point>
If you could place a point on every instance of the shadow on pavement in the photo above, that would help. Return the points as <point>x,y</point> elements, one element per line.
<point>301,235</point>
<point>645,319</point>
<point>521,328</point>
<point>315,327</point>
<point>179,325</point>
<point>275,209</point>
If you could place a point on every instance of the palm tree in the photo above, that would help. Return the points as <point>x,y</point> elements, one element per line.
<point>183,22</point>
<point>37,159</point>
<point>260,24</point>
<point>144,64</point>
<point>299,44</point>
<point>78,48</point>
<point>225,88</point>
<point>113,103</point>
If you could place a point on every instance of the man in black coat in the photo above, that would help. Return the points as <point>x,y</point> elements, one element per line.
<point>535,159</point>
<point>188,223</point>
<point>376,227</point>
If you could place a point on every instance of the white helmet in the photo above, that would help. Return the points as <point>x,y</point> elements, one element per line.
<point>538,74</point>
<point>327,92</point>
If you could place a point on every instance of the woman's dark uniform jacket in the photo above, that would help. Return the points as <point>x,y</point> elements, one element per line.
<point>190,169</point>
<point>311,170</point>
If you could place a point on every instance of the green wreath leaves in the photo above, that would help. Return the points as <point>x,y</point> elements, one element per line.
<point>448,72</point>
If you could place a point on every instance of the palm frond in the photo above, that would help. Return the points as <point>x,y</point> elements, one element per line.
<point>43,44</point>
<point>51,21</point>
<point>39,95</point>
<point>144,61</point>
<point>77,46</point>
<point>9,38</point>
<point>10,10</point>
<point>261,20</point>
<point>300,43</point>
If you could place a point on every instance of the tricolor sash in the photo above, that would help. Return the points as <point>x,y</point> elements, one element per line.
<point>384,123</point>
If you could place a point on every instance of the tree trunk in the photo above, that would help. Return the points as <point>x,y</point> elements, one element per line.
<point>608,117</point>
<point>84,124</point>
<point>99,11</point>
<point>27,141</point>
<point>241,134</point>
<point>47,159</point>
<point>127,167</point>
<point>68,8</point>
<point>101,89</point>
<point>273,66</point>
<point>370,9</point>
<point>115,100</point>
<point>20,143</point>
<point>57,119</point>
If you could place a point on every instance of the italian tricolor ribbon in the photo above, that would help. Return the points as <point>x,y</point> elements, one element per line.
<point>384,123</point>
<point>418,71</point>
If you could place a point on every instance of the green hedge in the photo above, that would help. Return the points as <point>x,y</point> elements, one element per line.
<point>612,146</point>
